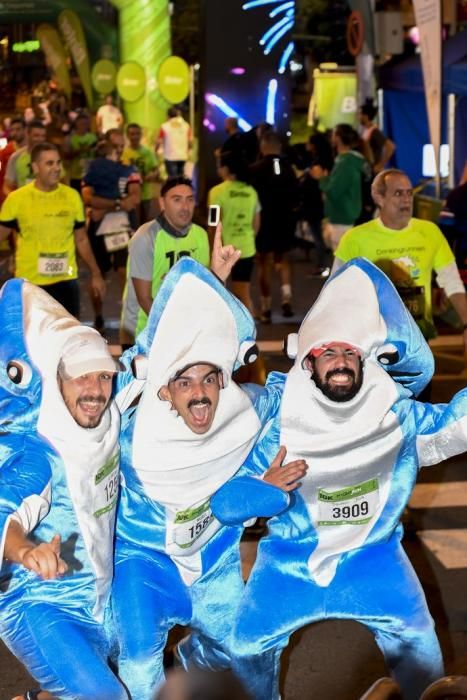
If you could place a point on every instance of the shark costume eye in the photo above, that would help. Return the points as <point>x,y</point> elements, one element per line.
<point>248,352</point>
<point>20,373</point>
<point>388,354</point>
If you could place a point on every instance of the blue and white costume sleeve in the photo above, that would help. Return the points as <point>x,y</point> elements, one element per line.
<point>55,478</point>
<point>335,551</point>
<point>175,562</point>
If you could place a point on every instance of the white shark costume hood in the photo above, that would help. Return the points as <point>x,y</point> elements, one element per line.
<point>193,320</point>
<point>47,330</point>
<point>345,443</point>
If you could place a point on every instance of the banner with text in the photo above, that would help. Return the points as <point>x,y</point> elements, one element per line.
<point>72,31</point>
<point>55,56</point>
<point>428,18</point>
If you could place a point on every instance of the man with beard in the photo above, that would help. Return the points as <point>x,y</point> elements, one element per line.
<point>407,249</point>
<point>189,433</point>
<point>334,549</point>
<point>337,370</point>
<point>59,467</point>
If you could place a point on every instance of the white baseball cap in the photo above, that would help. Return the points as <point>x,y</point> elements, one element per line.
<point>85,352</point>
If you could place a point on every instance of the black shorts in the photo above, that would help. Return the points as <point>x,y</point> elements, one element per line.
<point>243,269</point>
<point>66,293</point>
<point>105,260</point>
<point>279,239</point>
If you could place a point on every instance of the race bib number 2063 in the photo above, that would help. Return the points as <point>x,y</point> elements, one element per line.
<point>52,264</point>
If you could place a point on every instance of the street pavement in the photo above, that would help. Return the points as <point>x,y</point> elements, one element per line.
<point>338,660</point>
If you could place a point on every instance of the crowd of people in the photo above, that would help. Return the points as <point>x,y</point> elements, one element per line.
<point>125,489</point>
<point>272,197</point>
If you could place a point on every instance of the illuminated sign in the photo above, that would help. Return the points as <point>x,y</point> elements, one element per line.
<point>26,46</point>
<point>285,12</point>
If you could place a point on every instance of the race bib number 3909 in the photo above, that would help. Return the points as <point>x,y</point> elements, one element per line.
<point>354,505</point>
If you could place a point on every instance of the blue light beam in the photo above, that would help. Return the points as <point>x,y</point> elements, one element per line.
<point>258,3</point>
<point>275,28</point>
<point>282,8</point>
<point>271,102</point>
<point>221,104</point>
<point>285,57</point>
<point>278,36</point>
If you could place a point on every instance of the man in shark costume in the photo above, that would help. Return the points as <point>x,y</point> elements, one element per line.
<point>57,479</point>
<point>175,563</point>
<point>334,551</point>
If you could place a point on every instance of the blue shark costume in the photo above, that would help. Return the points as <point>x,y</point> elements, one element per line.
<point>334,549</point>
<point>175,563</point>
<point>55,478</point>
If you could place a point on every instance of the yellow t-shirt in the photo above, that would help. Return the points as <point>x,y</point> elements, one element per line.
<point>407,256</point>
<point>45,222</point>
<point>239,203</point>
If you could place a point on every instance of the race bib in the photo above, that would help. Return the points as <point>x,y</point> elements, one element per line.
<point>52,264</point>
<point>354,505</point>
<point>114,222</point>
<point>116,241</point>
<point>193,525</point>
<point>106,486</point>
<point>414,300</point>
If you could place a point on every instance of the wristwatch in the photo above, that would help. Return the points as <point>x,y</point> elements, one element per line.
<point>117,205</point>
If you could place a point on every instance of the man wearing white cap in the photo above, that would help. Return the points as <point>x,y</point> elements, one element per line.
<point>188,435</point>
<point>334,551</point>
<point>59,466</point>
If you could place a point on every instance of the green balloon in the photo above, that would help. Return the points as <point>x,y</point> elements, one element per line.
<point>104,76</point>
<point>131,81</point>
<point>174,79</point>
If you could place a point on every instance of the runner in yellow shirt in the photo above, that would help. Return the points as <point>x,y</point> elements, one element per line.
<point>240,216</point>
<point>49,220</point>
<point>408,250</point>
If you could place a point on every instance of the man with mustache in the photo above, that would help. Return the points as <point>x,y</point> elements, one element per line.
<point>188,434</point>
<point>407,249</point>
<point>333,549</point>
<point>59,469</point>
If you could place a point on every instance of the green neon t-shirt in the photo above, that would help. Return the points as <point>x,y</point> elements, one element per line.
<point>144,160</point>
<point>239,204</point>
<point>407,256</point>
<point>168,250</point>
<point>83,145</point>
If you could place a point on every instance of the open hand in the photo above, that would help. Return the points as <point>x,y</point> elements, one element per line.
<point>285,477</point>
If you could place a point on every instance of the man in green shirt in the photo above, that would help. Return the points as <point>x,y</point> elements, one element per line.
<point>240,216</point>
<point>155,248</point>
<point>19,169</point>
<point>342,187</point>
<point>79,150</point>
<point>408,250</point>
<point>145,161</point>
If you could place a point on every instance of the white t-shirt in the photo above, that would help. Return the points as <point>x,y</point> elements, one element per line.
<point>110,117</point>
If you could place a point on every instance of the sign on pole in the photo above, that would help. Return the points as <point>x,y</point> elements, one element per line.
<point>173,79</point>
<point>55,55</point>
<point>104,76</point>
<point>72,31</point>
<point>428,18</point>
